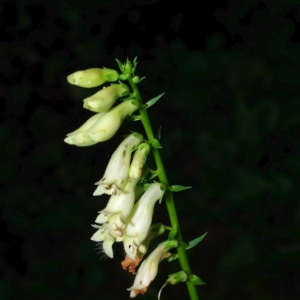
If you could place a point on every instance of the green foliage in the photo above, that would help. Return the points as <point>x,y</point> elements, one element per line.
<point>178,188</point>
<point>153,100</point>
<point>195,241</point>
<point>196,280</point>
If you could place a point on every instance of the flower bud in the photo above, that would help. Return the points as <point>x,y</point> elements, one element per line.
<point>92,77</point>
<point>105,98</point>
<point>111,121</point>
<point>139,160</point>
<point>102,126</point>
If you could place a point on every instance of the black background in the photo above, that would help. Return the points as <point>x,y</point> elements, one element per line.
<point>230,128</point>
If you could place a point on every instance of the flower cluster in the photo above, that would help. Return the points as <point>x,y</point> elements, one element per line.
<point>107,120</point>
<point>127,217</point>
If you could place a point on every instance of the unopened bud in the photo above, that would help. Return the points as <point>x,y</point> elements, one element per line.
<point>92,77</point>
<point>105,98</point>
<point>139,160</point>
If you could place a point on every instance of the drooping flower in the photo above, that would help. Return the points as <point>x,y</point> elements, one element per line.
<point>102,126</point>
<point>105,98</point>
<point>139,221</point>
<point>118,209</point>
<point>149,268</point>
<point>116,173</point>
<point>129,264</point>
<point>92,77</point>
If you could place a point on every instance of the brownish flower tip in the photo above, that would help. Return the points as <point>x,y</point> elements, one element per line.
<point>130,265</point>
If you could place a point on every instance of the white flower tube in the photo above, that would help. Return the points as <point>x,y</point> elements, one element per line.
<point>105,98</point>
<point>149,267</point>
<point>139,222</point>
<point>116,173</point>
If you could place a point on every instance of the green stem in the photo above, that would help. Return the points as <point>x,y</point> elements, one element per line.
<point>182,256</point>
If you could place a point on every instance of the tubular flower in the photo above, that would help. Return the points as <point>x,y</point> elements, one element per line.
<point>105,98</point>
<point>130,265</point>
<point>92,77</point>
<point>118,209</point>
<point>149,267</point>
<point>139,222</point>
<point>116,173</point>
<point>102,126</point>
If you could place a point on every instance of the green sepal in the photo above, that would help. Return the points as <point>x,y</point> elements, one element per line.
<point>123,76</point>
<point>156,144</point>
<point>177,277</point>
<point>111,77</point>
<point>126,89</point>
<point>145,173</point>
<point>153,174</point>
<point>172,257</point>
<point>160,200</point>
<point>178,188</point>
<point>159,228</point>
<point>196,280</point>
<point>172,233</point>
<point>141,79</point>
<point>128,67</point>
<point>171,244</point>
<point>121,66</point>
<point>153,100</point>
<point>196,241</point>
<point>133,118</point>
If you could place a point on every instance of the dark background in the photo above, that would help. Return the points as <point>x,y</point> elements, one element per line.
<point>230,128</point>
